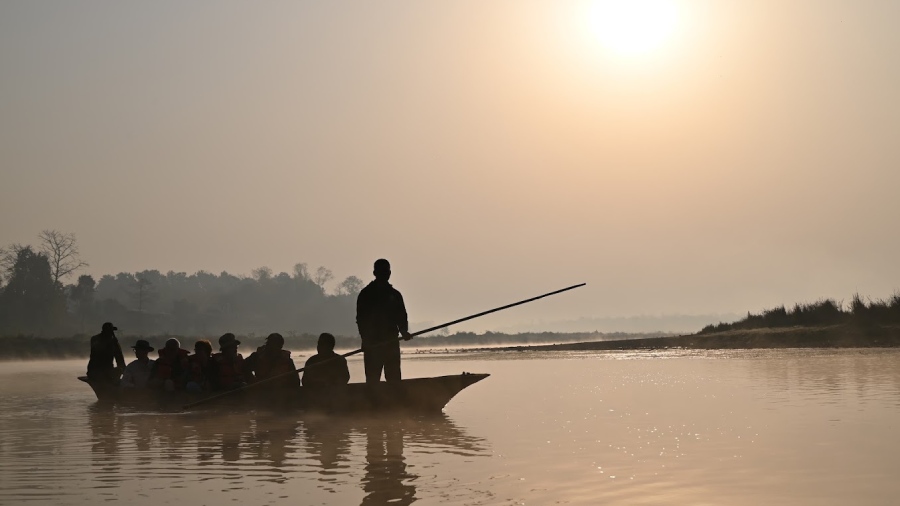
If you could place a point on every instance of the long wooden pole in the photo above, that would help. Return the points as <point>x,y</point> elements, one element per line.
<point>354,352</point>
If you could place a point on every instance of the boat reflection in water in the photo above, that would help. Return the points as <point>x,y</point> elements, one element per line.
<point>243,453</point>
<point>386,479</point>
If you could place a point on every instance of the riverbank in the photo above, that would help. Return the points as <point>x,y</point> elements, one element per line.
<point>832,336</point>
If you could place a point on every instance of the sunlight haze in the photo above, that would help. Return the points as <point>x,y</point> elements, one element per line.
<point>633,28</point>
<point>704,157</point>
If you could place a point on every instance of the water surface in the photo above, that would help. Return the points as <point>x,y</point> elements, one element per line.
<point>794,427</point>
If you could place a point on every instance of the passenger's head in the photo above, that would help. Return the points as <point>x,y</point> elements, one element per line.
<point>228,342</point>
<point>141,348</point>
<point>326,343</point>
<point>108,328</point>
<point>275,341</point>
<point>172,344</point>
<point>382,269</point>
<point>203,347</point>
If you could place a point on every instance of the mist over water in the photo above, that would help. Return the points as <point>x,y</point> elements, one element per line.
<point>667,427</point>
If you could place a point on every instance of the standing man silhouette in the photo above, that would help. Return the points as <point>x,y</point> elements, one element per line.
<point>381,318</point>
<point>105,349</point>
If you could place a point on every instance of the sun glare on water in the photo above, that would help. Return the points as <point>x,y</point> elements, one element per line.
<point>633,28</point>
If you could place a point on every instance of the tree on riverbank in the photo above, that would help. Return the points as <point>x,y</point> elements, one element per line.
<point>31,301</point>
<point>82,297</point>
<point>61,250</point>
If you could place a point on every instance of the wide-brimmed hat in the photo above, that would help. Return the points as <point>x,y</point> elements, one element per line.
<point>141,344</point>
<point>109,326</point>
<point>228,340</point>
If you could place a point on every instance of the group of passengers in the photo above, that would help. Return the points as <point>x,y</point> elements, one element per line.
<point>176,369</point>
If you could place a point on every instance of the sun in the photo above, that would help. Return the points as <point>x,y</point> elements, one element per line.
<point>631,28</point>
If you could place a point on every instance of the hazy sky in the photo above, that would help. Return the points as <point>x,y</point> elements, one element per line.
<point>491,150</point>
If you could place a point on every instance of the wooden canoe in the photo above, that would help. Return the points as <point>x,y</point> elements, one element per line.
<point>425,395</point>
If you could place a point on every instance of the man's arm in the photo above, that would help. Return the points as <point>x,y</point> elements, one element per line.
<point>127,378</point>
<point>308,377</point>
<point>120,359</point>
<point>294,368</point>
<point>344,376</point>
<point>401,318</point>
<point>362,313</point>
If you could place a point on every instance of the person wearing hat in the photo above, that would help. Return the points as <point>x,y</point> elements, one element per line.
<point>105,349</point>
<point>271,360</point>
<point>227,371</point>
<point>137,373</point>
<point>381,320</point>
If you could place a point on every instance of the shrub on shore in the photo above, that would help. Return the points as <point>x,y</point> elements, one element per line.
<point>820,313</point>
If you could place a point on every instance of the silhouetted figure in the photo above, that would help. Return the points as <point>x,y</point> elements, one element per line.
<point>200,367</point>
<point>228,365</point>
<point>381,317</point>
<point>171,368</point>
<point>104,350</point>
<point>272,360</point>
<point>326,368</point>
<point>138,372</point>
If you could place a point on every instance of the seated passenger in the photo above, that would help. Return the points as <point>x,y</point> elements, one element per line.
<point>271,360</point>
<point>171,367</point>
<point>227,371</point>
<point>200,367</point>
<point>137,373</point>
<point>326,368</point>
<point>105,350</point>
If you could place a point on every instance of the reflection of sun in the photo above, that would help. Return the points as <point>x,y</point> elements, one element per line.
<point>629,28</point>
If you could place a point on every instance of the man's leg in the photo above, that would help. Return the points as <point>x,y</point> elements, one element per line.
<point>392,361</point>
<point>373,364</point>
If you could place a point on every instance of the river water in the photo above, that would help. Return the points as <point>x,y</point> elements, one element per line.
<point>792,427</point>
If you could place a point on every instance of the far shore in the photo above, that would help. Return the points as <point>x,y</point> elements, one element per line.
<point>833,336</point>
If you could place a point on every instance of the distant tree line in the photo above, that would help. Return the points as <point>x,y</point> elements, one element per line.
<point>34,299</point>
<point>821,313</point>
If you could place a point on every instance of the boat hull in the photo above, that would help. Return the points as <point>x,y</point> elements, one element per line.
<point>425,395</point>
